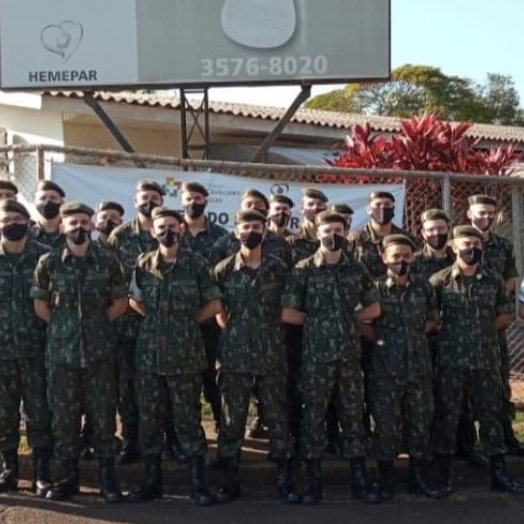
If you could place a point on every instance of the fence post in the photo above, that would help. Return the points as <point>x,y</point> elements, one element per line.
<point>40,163</point>
<point>516,221</point>
<point>446,196</point>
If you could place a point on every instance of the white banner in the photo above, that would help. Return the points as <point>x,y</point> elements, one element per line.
<point>90,185</point>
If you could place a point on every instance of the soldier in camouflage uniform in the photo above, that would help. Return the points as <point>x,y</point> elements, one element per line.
<point>473,305</point>
<point>499,256</point>
<point>252,351</point>
<point>279,216</point>
<point>346,211</point>
<point>8,190</point>
<point>199,236</point>
<point>22,363</point>
<point>322,294</point>
<point>109,215</point>
<point>172,288</point>
<point>401,377</point>
<point>48,199</point>
<point>80,290</point>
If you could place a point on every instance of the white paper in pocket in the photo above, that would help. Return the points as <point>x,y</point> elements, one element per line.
<point>261,24</point>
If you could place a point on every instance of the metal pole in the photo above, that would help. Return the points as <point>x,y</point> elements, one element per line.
<point>40,164</point>
<point>447,205</point>
<point>516,221</point>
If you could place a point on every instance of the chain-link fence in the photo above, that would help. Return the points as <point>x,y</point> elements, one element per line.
<point>26,164</point>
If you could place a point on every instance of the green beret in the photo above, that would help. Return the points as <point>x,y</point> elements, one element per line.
<point>150,185</point>
<point>329,217</point>
<point>255,193</point>
<point>7,185</point>
<point>249,215</point>
<point>49,185</point>
<point>195,187</point>
<point>108,205</point>
<point>309,192</point>
<point>482,199</point>
<point>434,214</point>
<point>161,212</point>
<point>397,240</point>
<point>282,199</point>
<point>467,231</point>
<point>374,195</point>
<point>343,209</point>
<point>73,208</point>
<point>9,205</point>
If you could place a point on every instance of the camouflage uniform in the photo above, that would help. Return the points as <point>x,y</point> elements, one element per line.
<point>427,264</point>
<point>170,356</point>
<point>401,389</point>
<point>53,239</point>
<point>80,344</point>
<point>328,295</point>
<point>252,349</point>
<point>302,245</point>
<point>22,367</point>
<point>468,357</point>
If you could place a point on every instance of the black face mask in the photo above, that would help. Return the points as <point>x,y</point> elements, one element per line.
<point>14,232</point>
<point>399,268</point>
<point>147,208</point>
<point>383,215</point>
<point>194,210</point>
<point>49,210</point>
<point>437,241</point>
<point>332,242</point>
<point>168,238</point>
<point>280,219</point>
<point>470,256</point>
<point>106,227</point>
<point>78,236</point>
<point>484,223</point>
<point>251,240</point>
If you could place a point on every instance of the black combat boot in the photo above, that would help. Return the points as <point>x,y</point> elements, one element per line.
<point>109,488</point>
<point>9,477</point>
<point>500,480</point>
<point>313,489</point>
<point>285,484</point>
<point>174,448</point>
<point>385,470</point>
<point>445,466</point>
<point>230,489</point>
<point>359,482</point>
<point>200,494</point>
<point>129,453</point>
<point>69,486</point>
<point>152,487</point>
<point>86,434</point>
<point>41,476</point>
<point>418,483</point>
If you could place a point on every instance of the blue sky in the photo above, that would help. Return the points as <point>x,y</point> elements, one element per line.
<point>463,37</point>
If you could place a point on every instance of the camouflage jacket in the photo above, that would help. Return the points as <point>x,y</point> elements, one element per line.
<point>401,349</point>
<point>328,295</point>
<point>427,264</point>
<point>468,308</point>
<point>499,256</point>
<point>204,240</point>
<point>366,246</point>
<point>273,244</point>
<point>253,340</point>
<point>79,291</point>
<point>22,333</point>
<point>170,340</point>
<point>302,245</point>
<point>52,240</point>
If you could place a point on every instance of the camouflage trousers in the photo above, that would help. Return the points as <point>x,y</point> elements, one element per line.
<point>236,389</point>
<point>125,380</point>
<point>340,382</point>
<point>24,381</point>
<point>211,337</point>
<point>508,408</point>
<point>74,391</point>
<point>155,394</point>
<point>483,388</point>
<point>403,414</point>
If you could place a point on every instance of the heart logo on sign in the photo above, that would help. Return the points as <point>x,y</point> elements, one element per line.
<point>62,39</point>
<point>260,24</point>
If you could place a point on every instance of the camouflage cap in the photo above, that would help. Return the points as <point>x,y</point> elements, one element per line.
<point>49,185</point>
<point>434,214</point>
<point>195,187</point>
<point>162,212</point>
<point>7,185</point>
<point>282,199</point>
<point>374,195</point>
<point>397,240</point>
<point>74,208</point>
<point>9,205</point>
<point>467,231</point>
<point>310,192</point>
<point>329,217</point>
<point>482,199</point>
<point>255,193</point>
<point>109,205</point>
<point>150,185</point>
<point>249,215</point>
<point>343,209</point>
